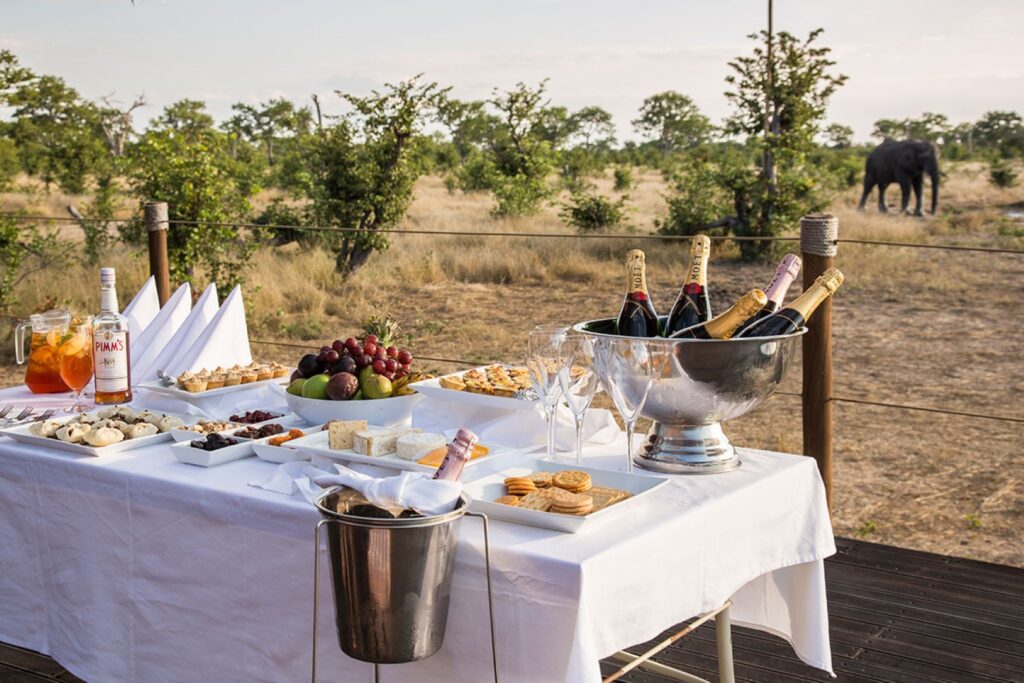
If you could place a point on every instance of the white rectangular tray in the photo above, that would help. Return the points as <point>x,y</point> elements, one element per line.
<point>433,389</point>
<point>22,435</point>
<point>191,396</point>
<point>486,489</point>
<point>184,452</point>
<point>316,444</point>
<point>286,420</point>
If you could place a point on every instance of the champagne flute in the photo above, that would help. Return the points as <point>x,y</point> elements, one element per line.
<point>76,366</point>
<point>628,373</point>
<point>578,380</point>
<point>542,362</point>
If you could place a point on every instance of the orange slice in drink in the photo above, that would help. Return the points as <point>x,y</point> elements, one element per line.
<point>73,346</point>
<point>436,456</point>
<point>53,337</point>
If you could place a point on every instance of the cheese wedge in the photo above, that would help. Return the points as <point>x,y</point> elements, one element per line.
<point>409,446</point>
<point>341,433</point>
<point>436,456</point>
<point>377,442</point>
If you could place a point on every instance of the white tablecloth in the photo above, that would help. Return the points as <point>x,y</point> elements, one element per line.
<point>135,567</point>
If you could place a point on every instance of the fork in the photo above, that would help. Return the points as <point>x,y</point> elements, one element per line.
<point>6,409</point>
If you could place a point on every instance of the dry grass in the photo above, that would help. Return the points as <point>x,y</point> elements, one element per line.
<point>917,327</point>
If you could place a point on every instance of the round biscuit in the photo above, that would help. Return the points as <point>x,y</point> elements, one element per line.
<point>513,501</point>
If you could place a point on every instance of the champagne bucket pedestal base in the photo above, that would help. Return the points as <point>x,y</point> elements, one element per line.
<point>684,449</point>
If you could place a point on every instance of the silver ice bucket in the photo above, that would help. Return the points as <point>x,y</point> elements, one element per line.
<point>697,385</point>
<point>391,580</point>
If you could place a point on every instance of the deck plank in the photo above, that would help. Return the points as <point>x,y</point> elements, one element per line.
<point>896,616</point>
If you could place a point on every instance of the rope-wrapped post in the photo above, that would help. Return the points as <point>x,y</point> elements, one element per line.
<point>818,235</point>
<point>155,214</point>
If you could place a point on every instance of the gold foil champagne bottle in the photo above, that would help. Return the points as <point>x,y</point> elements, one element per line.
<point>637,317</point>
<point>794,316</point>
<point>692,306</point>
<point>723,326</point>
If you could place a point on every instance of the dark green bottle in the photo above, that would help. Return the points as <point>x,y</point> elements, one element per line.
<point>637,317</point>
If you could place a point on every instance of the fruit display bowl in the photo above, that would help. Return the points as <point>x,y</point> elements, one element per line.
<point>384,412</point>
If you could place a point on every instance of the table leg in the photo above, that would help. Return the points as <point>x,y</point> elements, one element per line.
<point>723,634</point>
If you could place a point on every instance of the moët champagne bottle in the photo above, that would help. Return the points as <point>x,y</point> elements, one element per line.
<point>692,306</point>
<point>637,317</point>
<point>787,271</point>
<point>723,326</point>
<point>794,316</point>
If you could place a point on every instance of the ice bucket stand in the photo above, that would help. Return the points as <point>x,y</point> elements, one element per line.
<point>376,665</point>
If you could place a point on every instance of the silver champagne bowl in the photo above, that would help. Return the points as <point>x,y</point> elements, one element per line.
<point>695,386</point>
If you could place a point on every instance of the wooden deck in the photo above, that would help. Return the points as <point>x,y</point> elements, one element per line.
<point>897,615</point>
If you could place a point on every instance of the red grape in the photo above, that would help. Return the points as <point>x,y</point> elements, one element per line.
<point>390,375</point>
<point>381,353</point>
<point>338,345</point>
<point>370,348</point>
<point>379,367</point>
<point>363,360</point>
<point>392,352</point>
<point>406,366</point>
<point>351,343</point>
<point>404,357</point>
<point>391,364</point>
<point>371,339</point>
<point>400,373</point>
<point>324,349</point>
<point>332,356</point>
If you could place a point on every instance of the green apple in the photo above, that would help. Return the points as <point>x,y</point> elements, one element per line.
<point>295,388</point>
<point>377,386</point>
<point>316,386</point>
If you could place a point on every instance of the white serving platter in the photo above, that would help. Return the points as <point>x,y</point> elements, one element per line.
<point>281,454</point>
<point>433,389</point>
<point>316,444</point>
<point>193,396</point>
<point>22,435</point>
<point>184,452</point>
<point>486,489</point>
<point>286,420</point>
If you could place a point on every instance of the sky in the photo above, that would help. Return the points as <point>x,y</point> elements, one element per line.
<point>903,57</point>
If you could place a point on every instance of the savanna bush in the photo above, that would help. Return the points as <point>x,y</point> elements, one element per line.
<point>1001,174</point>
<point>587,212</point>
<point>623,178</point>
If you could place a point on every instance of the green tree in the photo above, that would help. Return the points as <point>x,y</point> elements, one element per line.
<point>778,106</point>
<point>9,162</point>
<point>188,167</point>
<point>673,121</point>
<point>839,136</point>
<point>188,118</point>
<point>1001,132</point>
<point>521,150</point>
<point>363,169</point>
<point>592,128</point>
<point>25,249</point>
<point>893,129</point>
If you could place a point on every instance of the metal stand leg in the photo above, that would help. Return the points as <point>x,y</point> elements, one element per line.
<point>675,674</point>
<point>723,632</point>
<point>316,587</point>
<point>490,594</point>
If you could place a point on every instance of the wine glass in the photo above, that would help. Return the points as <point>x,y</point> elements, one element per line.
<point>578,380</point>
<point>76,365</point>
<point>628,373</point>
<point>542,362</point>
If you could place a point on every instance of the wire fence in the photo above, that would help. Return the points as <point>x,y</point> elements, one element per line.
<point>607,236</point>
<point>530,235</point>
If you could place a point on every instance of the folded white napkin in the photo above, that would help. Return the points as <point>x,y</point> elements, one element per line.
<point>413,490</point>
<point>291,477</point>
<point>143,307</point>
<point>200,316</point>
<point>523,429</point>
<point>148,345</point>
<point>224,342</point>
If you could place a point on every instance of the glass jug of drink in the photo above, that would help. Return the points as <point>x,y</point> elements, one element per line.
<point>48,331</point>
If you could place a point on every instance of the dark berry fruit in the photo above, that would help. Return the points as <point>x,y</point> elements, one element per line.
<point>379,367</point>
<point>404,357</point>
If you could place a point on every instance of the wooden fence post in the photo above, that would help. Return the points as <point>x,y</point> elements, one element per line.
<point>818,234</point>
<point>156,226</point>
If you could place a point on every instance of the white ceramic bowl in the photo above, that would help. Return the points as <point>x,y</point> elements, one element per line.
<point>384,412</point>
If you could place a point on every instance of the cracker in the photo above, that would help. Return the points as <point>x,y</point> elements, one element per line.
<point>541,479</point>
<point>604,496</point>
<point>572,480</point>
<point>535,501</point>
<point>512,501</point>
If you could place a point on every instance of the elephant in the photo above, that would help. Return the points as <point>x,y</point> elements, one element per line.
<point>904,162</point>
